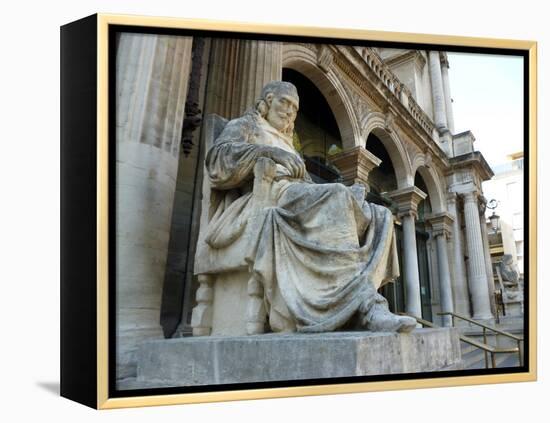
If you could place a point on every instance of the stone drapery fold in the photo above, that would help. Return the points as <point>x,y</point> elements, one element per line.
<point>320,250</point>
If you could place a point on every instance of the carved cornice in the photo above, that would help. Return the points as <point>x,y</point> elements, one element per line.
<point>406,56</point>
<point>473,162</point>
<point>355,165</point>
<point>441,223</point>
<point>407,200</point>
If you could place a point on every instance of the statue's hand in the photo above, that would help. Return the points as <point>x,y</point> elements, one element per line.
<point>290,161</point>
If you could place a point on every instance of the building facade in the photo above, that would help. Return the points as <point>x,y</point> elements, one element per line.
<point>506,187</point>
<point>377,116</point>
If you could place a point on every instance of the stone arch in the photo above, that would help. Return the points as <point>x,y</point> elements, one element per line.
<point>376,124</point>
<point>304,60</point>
<point>433,183</point>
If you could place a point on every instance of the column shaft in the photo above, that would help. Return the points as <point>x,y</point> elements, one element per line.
<point>412,278</point>
<point>476,260</point>
<point>445,292</point>
<point>438,95</point>
<point>460,288</point>
<point>259,62</point>
<point>152,74</point>
<point>239,69</point>
<point>448,98</point>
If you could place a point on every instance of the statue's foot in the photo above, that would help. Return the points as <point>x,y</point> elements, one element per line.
<point>380,319</point>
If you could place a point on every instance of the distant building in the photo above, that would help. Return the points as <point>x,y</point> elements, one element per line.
<point>506,187</point>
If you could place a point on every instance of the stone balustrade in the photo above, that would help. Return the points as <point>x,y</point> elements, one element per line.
<point>395,86</point>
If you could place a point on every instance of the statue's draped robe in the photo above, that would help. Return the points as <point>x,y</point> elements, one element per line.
<point>319,250</point>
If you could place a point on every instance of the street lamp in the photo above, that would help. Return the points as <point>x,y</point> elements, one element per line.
<point>494,218</point>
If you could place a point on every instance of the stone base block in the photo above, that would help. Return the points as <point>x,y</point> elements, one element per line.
<point>279,357</point>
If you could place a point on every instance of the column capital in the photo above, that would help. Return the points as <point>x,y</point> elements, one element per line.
<point>407,200</point>
<point>470,196</point>
<point>355,164</point>
<point>441,223</point>
<point>452,197</point>
<point>444,59</point>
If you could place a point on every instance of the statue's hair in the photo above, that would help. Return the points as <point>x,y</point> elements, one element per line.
<point>275,87</point>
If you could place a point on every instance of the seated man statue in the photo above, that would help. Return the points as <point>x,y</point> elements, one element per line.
<point>509,275</point>
<point>319,251</point>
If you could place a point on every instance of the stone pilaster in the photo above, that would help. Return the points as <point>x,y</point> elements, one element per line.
<point>441,230</point>
<point>460,287</point>
<point>221,76</point>
<point>152,77</point>
<point>407,200</point>
<point>259,62</point>
<point>239,69</point>
<point>477,276</point>
<point>447,93</point>
<point>438,95</point>
<point>355,165</point>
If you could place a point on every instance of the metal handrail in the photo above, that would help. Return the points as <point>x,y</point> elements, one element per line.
<point>500,332</point>
<point>487,349</point>
<point>518,339</point>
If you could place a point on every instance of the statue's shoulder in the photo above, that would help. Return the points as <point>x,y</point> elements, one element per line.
<point>239,129</point>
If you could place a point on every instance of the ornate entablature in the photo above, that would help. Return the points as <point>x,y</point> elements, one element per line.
<point>377,83</point>
<point>469,169</point>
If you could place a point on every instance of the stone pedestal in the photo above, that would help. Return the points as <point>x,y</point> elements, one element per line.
<point>277,357</point>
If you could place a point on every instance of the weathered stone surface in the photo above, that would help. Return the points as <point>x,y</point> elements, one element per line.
<point>310,255</point>
<point>277,357</point>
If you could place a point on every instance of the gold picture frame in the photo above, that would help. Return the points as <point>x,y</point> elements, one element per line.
<point>93,388</point>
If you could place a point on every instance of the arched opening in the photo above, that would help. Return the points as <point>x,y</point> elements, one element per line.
<point>382,179</point>
<point>316,133</point>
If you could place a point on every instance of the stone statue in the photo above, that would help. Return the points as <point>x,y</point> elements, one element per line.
<point>318,251</point>
<point>508,271</point>
<point>510,277</point>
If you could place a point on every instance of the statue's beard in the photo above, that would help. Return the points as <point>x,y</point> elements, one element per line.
<point>282,124</point>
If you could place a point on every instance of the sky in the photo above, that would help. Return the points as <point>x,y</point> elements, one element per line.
<point>487,93</point>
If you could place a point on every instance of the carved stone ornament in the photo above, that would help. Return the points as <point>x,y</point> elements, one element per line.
<point>325,58</point>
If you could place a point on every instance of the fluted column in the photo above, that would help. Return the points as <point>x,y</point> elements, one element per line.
<point>407,200</point>
<point>460,287</point>
<point>239,69</point>
<point>438,94</point>
<point>152,75</point>
<point>477,277</point>
<point>441,230</point>
<point>222,70</point>
<point>259,62</point>
<point>447,93</point>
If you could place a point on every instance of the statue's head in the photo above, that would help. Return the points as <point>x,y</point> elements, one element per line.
<point>507,259</point>
<point>278,104</point>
